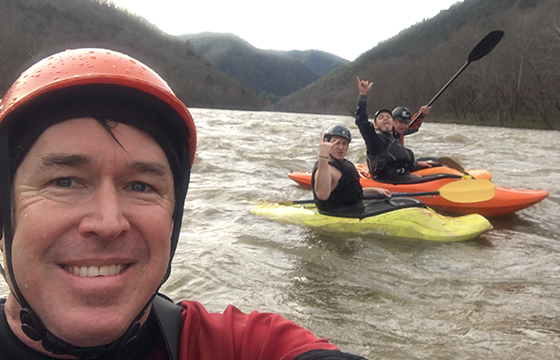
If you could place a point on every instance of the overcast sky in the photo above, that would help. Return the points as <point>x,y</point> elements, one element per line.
<point>347,29</point>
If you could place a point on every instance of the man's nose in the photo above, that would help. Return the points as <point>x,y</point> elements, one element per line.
<point>105,216</point>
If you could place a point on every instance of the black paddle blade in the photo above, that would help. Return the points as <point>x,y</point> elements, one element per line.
<point>486,45</point>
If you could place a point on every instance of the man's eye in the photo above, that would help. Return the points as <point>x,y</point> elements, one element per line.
<point>63,182</point>
<point>138,186</point>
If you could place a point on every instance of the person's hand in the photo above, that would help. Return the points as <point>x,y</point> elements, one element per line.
<point>425,164</point>
<point>383,192</point>
<point>325,147</point>
<point>425,110</point>
<point>364,86</point>
<point>373,191</point>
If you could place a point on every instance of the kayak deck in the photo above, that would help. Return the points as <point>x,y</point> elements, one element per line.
<point>407,223</point>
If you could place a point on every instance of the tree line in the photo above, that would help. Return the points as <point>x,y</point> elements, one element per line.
<point>516,85</point>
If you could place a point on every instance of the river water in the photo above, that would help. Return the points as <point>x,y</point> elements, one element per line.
<point>496,297</point>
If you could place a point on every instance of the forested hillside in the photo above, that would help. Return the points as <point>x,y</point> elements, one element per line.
<point>32,29</point>
<point>518,84</point>
<point>271,74</point>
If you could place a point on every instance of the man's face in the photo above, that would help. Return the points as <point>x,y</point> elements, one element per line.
<point>93,224</point>
<point>384,122</point>
<point>339,147</point>
<point>400,126</point>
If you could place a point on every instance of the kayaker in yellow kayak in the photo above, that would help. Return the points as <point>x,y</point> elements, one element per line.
<point>336,182</point>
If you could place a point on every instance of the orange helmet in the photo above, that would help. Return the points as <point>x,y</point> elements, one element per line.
<point>77,67</point>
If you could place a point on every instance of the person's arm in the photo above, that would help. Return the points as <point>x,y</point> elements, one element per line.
<point>422,113</point>
<point>374,144</point>
<point>323,176</point>
<point>233,334</point>
<point>373,191</point>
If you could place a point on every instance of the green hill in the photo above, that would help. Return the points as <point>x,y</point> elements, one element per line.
<point>272,74</point>
<point>515,85</point>
<point>32,29</point>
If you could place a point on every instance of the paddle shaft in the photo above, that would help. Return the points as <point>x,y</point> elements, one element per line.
<point>371,197</point>
<point>423,193</point>
<point>439,93</point>
<point>483,48</point>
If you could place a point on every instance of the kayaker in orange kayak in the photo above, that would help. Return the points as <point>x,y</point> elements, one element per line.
<point>388,159</point>
<point>402,118</point>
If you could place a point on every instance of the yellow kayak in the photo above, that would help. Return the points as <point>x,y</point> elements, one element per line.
<point>406,223</point>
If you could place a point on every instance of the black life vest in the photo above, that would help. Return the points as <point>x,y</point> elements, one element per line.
<point>394,161</point>
<point>348,194</point>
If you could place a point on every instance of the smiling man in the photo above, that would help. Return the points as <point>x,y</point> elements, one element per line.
<point>387,157</point>
<point>112,232</point>
<point>95,159</point>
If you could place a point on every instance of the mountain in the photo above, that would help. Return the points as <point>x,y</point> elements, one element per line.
<point>272,74</point>
<point>517,84</point>
<point>33,29</point>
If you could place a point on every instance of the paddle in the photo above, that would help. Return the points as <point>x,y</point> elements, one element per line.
<point>483,48</point>
<point>462,191</point>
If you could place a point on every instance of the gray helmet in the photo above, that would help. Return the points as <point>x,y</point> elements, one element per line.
<point>401,113</point>
<point>337,130</point>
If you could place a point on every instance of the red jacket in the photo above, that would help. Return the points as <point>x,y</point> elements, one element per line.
<point>235,335</point>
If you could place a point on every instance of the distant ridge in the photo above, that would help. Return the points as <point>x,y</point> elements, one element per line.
<point>32,29</point>
<point>516,85</point>
<point>271,74</point>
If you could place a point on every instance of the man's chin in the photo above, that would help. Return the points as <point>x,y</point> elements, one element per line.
<point>95,334</point>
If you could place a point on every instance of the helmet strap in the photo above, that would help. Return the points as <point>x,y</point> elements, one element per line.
<point>6,217</point>
<point>35,330</point>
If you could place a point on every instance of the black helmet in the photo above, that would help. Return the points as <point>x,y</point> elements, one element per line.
<point>337,130</point>
<point>401,113</point>
<point>381,111</point>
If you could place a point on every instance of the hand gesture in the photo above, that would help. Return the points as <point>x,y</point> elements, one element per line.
<point>364,86</point>
<point>325,146</point>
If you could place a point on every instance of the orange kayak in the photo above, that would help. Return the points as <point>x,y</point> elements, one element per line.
<point>505,201</point>
<point>475,173</point>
